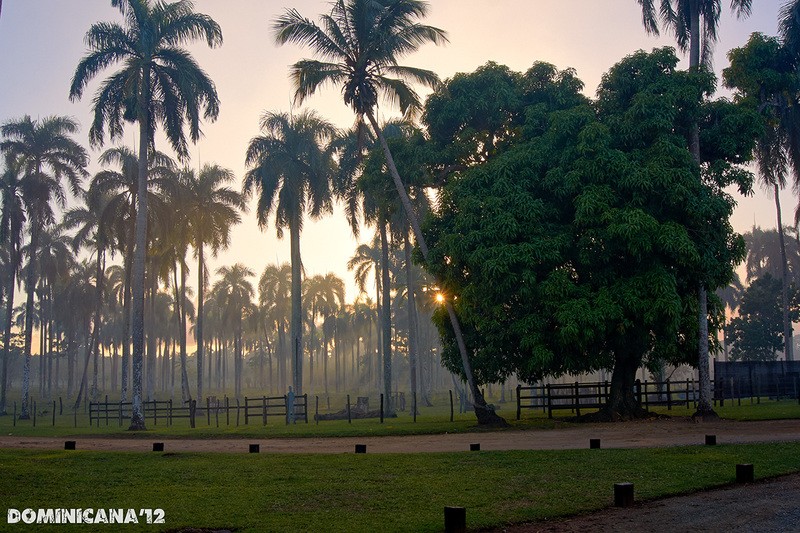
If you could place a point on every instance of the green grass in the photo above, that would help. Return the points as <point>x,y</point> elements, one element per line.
<point>373,492</point>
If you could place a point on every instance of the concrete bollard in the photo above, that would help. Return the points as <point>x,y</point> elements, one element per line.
<point>158,446</point>
<point>455,519</point>
<point>623,494</point>
<point>594,444</point>
<point>361,448</point>
<point>744,473</point>
<point>255,448</point>
<point>69,445</point>
<point>711,440</point>
<point>475,447</point>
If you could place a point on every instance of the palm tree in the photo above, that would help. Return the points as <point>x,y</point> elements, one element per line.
<point>234,293</point>
<point>213,209</point>
<point>362,39</point>
<point>46,153</point>
<point>729,296</point>
<point>324,296</point>
<point>12,220</point>
<point>687,19</point>
<point>291,167</point>
<point>91,232</point>
<point>275,295</point>
<point>119,215</point>
<point>159,83</point>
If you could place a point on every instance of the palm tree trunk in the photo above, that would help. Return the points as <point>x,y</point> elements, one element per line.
<point>484,413</point>
<point>126,314</point>
<point>412,316</point>
<point>186,394</point>
<point>139,254</point>
<point>296,325</point>
<point>10,286</point>
<point>199,328</point>
<point>788,340</point>
<point>30,285</point>
<point>386,323</point>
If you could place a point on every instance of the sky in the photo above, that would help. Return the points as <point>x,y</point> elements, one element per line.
<point>41,42</point>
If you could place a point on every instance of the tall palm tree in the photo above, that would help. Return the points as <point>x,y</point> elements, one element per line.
<point>689,20</point>
<point>213,209</point>
<point>235,293</point>
<point>12,220</point>
<point>275,295</point>
<point>46,153</point>
<point>291,166</point>
<point>159,83</point>
<point>360,42</point>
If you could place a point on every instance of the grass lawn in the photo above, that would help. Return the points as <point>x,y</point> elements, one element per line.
<point>373,492</point>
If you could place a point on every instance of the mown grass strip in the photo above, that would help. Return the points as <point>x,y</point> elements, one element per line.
<point>373,492</point>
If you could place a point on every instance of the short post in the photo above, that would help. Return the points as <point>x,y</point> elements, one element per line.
<point>594,444</point>
<point>381,408</point>
<point>451,405</point>
<point>744,473</point>
<point>255,448</point>
<point>158,446</point>
<point>69,445</point>
<point>711,440</point>
<point>361,448</point>
<point>455,519</point>
<point>476,447</point>
<point>349,415</point>
<point>623,494</point>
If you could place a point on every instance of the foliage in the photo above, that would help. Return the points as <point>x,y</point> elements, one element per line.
<point>756,334</point>
<point>580,245</point>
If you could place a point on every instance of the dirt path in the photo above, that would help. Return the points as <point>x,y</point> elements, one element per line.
<point>641,434</point>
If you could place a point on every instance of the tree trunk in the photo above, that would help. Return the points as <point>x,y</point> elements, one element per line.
<point>788,340</point>
<point>412,316</point>
<point>622,403</point>
<point>139,254</point>
<point>386,322</point>
<point>30,285</point>
<point>484,413</point>
<point>296,325</point>
<point>199,328</point>
<point>186,394</point>
<point>7,330</point>
<point>126,314</point>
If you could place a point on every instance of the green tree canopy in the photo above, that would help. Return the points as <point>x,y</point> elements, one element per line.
<point>757,333</point>
<point>579,246</point>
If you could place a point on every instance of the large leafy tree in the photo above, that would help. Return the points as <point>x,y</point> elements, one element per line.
<point>578,246</point>
<point>46,153</point>
<point>213,209</point>
<point>159,84</point>
<point>694,24</point>
<point>291,167</point>
<point>359,43</point>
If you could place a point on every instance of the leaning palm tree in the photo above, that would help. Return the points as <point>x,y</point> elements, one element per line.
<point>213,209</point>
<point>688,19</point>
<point>159,83</point>
<point>46,153</point>
<point>291,166</point>
<point>360,42</point>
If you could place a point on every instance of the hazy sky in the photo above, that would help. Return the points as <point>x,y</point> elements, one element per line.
<point>42,42</point>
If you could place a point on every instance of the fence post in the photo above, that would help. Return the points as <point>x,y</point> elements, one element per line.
<point>54,414</point>
<point>305,406</point>
<point>208,409</point>
<point>577,399</point>
<point>349,418</point>
<point>549,402</point>
<point>646,396</point>
<point>227,411</point>
<point>216,412</point>
<point>237,412</point>
<point>451,404</point>
<point>316,409</point>
<point>264,409</point>
<point>155,413</point>
<point>169,413</point>
<point>106,408</point>
<point>74,417</point>
<point>519,405</point>
<point>381,408</point>
<point>60,406</point>
<point>414,399</point>
<point>15,414</point>
<point>120,413</point>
